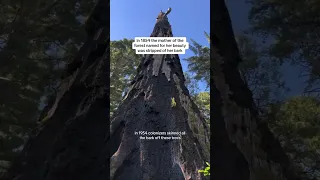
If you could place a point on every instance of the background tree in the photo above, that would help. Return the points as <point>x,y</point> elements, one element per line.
<point>203,102</point>
<point>32,57</point>
<point>198,70</point>
<point>260,72</point>
<point>199,64</point>
<point>296,122</point>
<point>293,34</point>
<point>191,84</point>
<point>71,136</point>
<point>259,153</point>
<point>202,99</point>
<point>123,66</point>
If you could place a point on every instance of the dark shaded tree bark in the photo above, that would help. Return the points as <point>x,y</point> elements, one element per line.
<point>69,143</point>
<point>147,107</point>
<point>233,108</point>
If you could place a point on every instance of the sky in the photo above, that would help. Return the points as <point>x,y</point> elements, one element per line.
<point>190,19</point>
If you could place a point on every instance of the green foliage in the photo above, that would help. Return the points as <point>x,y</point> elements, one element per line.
<point>292,30</point>
<point>199,64</point>
<point>260,72</point>
<point>206,171</point>
<point>202,100</point>
<point>294,27</point>
<point>191,84</point>
<point>296,122</point>
<point>123,64</point>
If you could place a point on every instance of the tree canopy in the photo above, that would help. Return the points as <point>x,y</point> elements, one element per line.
<point>292,28</point>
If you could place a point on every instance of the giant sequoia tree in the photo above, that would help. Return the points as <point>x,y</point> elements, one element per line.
<point>148,107</point>
<point>32,58</point>
<point>238,133</point>
<point>73,141</point>
<point>69,143</point>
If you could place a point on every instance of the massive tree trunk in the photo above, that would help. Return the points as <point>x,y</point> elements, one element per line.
<point>147,107</point>
<point>69,143</point>
<point>74,142</point>
<point>233,104</point>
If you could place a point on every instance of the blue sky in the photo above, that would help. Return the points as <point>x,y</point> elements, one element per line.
<point>130,19</point>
